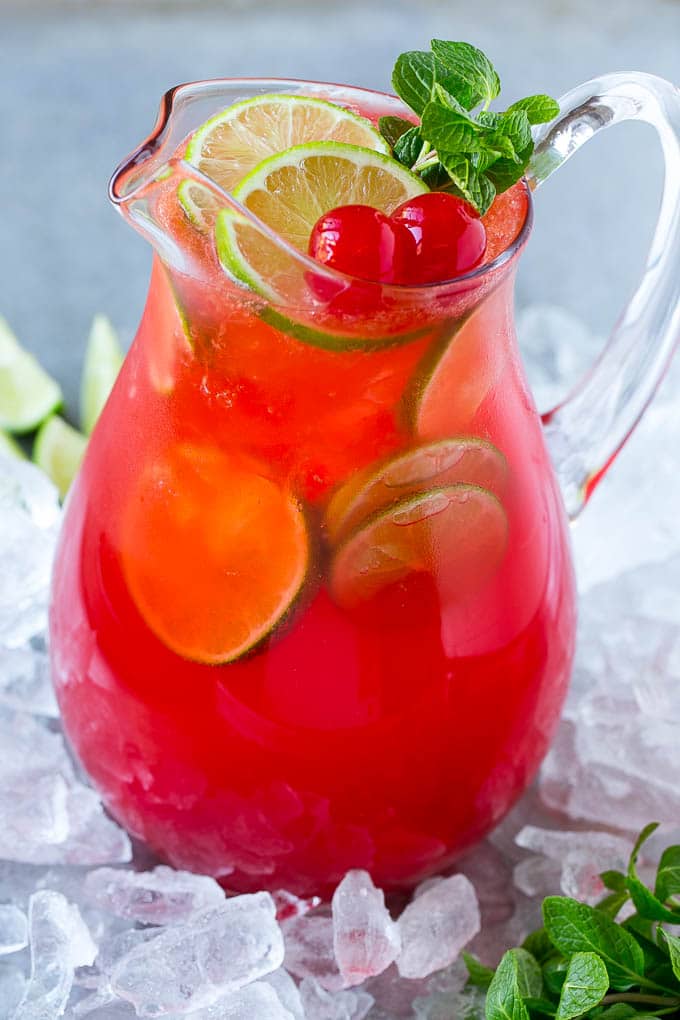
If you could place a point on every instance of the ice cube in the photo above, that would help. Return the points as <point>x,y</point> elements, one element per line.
<point>537,876</point>
<point>25,680</point>
<point>616,758</point>
<point>257,1001</point>
<point>160,896</point>
<point>59,941</point>
<point>319,1004</point>
<point>190,966</point>
<point>436,925</point>
<point>13,929</point>
<point>287,991</point>
<point>580,856</point>
<point>29,519</point>
<point>12,987</point>
<point>365,938</point>
<point>309,949</point>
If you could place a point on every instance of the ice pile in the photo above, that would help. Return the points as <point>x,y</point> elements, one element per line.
<point>86,931</point>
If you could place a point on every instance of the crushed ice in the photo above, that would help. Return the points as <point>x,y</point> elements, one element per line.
<point>84,932</point>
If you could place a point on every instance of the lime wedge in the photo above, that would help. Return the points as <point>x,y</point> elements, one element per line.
<point>103,359</point>
<point>58,451</point>
<point>459,373</point>
<point>10,446</point>
<point>465,459</point>
<point>229,145</point>
<point>288,192</point>
<point>27,393</point>
<point>457,534</point>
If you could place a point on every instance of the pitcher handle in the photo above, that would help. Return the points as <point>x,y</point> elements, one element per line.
<point>585,432</point>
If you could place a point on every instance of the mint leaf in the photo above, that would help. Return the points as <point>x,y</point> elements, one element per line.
<point>413,78</point>
<point>577,928</point>
<point>539,109</point>
<point>436,177</point>
<point>584,986</point>
<point>554,973</point>
<point>619,1011</point>
<point>614,880</point>
<point>542,1006</point>
<point>503,999</point>
<point>529,977</point>
<point>470,75</point>
<point>647,904</point>
<point>471,185</point>
<point>668,874</point>
<point>408,147</point>
<point>448,131</point>
<point>611,905</point>
<point>673,944</point>
<point>392,128</point>
<point>503,173</point>
<point>515,127</point>
<point>642,838</point>
<point>478,974</point>
<point>539,945</point>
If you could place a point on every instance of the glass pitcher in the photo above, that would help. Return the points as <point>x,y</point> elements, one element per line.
<point>313,604</point>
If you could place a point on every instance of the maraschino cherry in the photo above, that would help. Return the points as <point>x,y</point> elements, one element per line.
<point>428,239</point>
<point>364,242</point>
<point>450,237</point>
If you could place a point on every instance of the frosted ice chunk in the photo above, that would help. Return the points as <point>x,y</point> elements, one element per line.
<point>12,986</point>
<point>59,942</point>
<point>49,817</point>
<point>25,680</point>
<point>257,1001</point>
<point>29,520</point>
<point>309,950</point>
<point>581,857</point>
<point>365,938</point>
<point>436,925</point>
<point>287,991</point>
<point>616,757</point>
<point>190,966</point>
<point>319,1004</point>
<point>160,896</point>
<point>537,876</point>
<point>13,929</point>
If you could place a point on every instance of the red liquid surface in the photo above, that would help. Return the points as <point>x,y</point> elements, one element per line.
<point>389,733</point>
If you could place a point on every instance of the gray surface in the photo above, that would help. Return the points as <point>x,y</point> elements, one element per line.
<point>80,84</point>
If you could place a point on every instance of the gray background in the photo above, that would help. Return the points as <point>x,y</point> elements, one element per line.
<point>80,84</point>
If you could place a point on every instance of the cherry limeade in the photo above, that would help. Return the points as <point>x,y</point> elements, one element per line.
<point>397,501</point>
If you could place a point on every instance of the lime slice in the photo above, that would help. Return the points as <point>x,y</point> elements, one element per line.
<point>434,465</point>
<point>196,504</point>
<point>457,534</point>
<point>58,451</point>
<point>459,373</point>
<point>229,145</point>
<point>27,393</point>
<point>103,360</point>
<point>10,446</point>
<point>288,192</point>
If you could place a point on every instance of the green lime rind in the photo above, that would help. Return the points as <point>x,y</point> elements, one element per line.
<point>228,248</point>
<point>10,446</point>
<point>339,342</point>
<point>28,395</point>
<point>356,562</point>
<point>58,451</point>
<point>195,147</point>
<point>442,462</point>
<point>191,207</point>
<point>103,361</point>
<point>418,387</point>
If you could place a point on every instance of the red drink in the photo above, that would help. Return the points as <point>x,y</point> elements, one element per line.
<point>400,613</point>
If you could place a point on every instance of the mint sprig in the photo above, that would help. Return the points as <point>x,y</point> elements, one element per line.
<point>474,155</point>
<point>585,965</point>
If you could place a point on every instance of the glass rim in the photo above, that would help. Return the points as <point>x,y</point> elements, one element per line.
<point>154,142</point>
